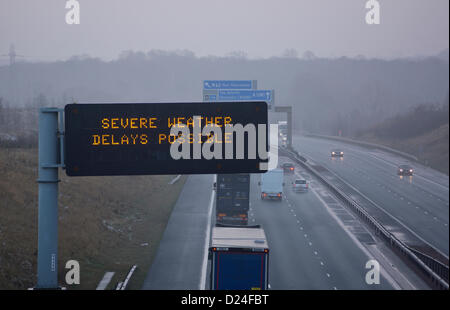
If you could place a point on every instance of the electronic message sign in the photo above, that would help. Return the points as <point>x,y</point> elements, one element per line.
<point>165,138</point>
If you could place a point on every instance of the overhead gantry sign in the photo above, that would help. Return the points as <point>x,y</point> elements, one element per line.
<point>165,138</point>
<point>141,139</point>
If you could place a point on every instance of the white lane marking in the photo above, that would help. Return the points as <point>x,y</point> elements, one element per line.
<point>328,275</point>
<point>356,241</point>
<point>175,179</point>
<point>386,275</point>
<point>321,263</point>
<point>202,284</point>
<point>105,281</point>
<point>424,178</point>
<point>390,215</point>
<point>445,187</point>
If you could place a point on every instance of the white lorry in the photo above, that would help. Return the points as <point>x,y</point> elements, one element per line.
<point>272,183</point>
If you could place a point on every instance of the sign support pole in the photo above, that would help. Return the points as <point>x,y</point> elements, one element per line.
<point>49,156</point>
<point>288,111</point>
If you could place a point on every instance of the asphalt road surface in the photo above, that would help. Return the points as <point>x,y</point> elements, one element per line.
<point>308,247</point>
<point>420,202</point>
<point>179,260</point>
<point>315,243</point>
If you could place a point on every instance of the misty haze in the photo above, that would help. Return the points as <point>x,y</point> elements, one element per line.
<point>359,91</point>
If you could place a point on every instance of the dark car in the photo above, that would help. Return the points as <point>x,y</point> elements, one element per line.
<point>288,167</point>
<point>405,170</point>
<point>337,153</point>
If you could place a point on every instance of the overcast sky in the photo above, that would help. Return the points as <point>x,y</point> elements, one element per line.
<point>261,28</point>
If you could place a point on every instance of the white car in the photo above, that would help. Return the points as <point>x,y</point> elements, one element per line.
<point>300,185</point>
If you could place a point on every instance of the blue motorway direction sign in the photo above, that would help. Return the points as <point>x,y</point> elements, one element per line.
<point>229,84</point>
<point>245,95</point>
<point>210,97</point>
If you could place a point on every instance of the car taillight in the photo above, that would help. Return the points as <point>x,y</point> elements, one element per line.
<point>264,194</point>
<point>242,215</point>
<point>221,214</point>
<point>292,168</point>
<point>279,195</point>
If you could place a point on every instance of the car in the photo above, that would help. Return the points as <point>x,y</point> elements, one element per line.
<point>300,185</point>
<point>288,167</point>
<point>337,153</point>
<point>405,170</point>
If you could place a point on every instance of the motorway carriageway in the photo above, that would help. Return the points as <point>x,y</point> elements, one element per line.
<point>420,203</point>
<point>314,242</point>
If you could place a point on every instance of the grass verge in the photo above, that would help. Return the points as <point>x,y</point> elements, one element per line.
<point>105,223</point>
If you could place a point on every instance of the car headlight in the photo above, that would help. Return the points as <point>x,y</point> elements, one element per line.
<point>410,170</point>
<point>401,170</point>
<point>333,153</point>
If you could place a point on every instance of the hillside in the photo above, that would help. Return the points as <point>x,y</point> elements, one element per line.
<point>106,223</point>
<point>423,132</point>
